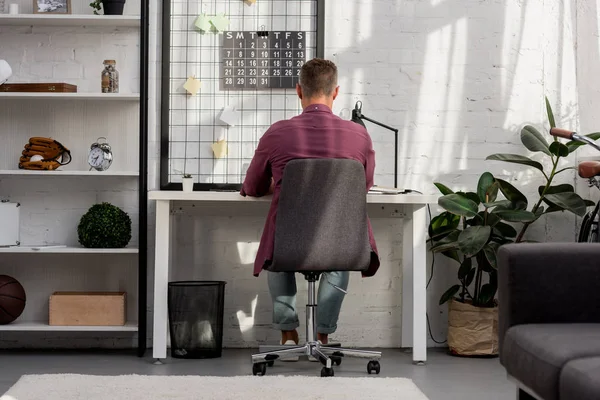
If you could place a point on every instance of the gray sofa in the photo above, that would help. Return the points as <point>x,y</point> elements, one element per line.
<point>549,319</point>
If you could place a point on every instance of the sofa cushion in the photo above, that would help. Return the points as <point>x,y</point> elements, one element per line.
<point>535,354</point>
<point>579,379</point>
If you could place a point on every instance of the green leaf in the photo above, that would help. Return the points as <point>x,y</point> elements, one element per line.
<point>473,197</point>
<point>502,203</point>
<point>464,269</point>
<point>513,194</point>
<point>589,203</point>
<point>443,188</point>
<point>505,230</point>
<point>448,243</point>
<point>569,201</point>
<point>453,254</point>
<point>470,277</point>
<point>459,205</point>
<point>516,159</point>
<point>573,145</point>
<point>490,250</point>
<point>486,296</point>
<point>550,114</point>
<point>533,140</point>
<point>472,239</point>
<point>485,181</point>
<point>565,187</point>
<point>515,215</point>
<point>559,149</point>
<point>443,223</point>
<point>448,294</point>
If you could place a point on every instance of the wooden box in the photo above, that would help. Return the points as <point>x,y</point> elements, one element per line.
<point>87,308</point>
<point>39,87</point>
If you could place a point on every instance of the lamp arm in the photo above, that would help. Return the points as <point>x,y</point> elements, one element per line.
<point>378,123</point>
<point>395,145</point>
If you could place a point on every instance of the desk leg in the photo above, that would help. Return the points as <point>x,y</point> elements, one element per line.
<point>161,278</point>
<point>414,282</point>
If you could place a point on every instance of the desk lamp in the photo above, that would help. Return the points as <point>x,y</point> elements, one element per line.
<point>357,117</point>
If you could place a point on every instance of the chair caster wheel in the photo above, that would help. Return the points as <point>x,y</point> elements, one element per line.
<point>259,369</point>
<point>271,363</point>
<point>373,366</point>
<point>337,360</point>
<point>326,371</point>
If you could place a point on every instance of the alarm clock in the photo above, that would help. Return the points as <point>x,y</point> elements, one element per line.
<point>100,157</point>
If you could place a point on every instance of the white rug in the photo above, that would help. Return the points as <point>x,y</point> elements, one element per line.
<point>268,387</point>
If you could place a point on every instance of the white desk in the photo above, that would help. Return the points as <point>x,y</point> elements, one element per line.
<point>409,206</point>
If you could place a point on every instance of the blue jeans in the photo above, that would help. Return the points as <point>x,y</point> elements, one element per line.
<point>282,286</point>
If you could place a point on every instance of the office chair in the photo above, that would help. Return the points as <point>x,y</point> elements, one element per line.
<point>321,226</point>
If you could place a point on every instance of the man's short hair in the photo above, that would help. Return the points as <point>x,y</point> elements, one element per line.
<point>318,77</point>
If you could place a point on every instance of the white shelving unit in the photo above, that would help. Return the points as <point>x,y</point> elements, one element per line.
<point>72,96</point>
<point>44,327</point>
<point>79,123</point>
<point>59,172</point>
<point>70,20</point>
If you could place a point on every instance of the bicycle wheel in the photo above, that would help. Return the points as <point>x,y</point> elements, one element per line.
<point>589,228</point>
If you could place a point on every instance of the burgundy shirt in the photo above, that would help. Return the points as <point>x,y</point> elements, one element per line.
<point>316,133</point>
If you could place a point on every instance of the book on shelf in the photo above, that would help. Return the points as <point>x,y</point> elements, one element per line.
<point>385,190</point>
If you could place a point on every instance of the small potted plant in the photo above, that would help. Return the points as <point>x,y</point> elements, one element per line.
<point>188,182</point>
<point>111,7</point>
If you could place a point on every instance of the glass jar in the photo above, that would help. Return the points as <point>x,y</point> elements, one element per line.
<point>110,77</point>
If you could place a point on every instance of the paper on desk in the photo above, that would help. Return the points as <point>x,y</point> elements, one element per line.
<point>203,23</point>
<point>192,85</point>
<point>220,22</point>
<point>219,148</point>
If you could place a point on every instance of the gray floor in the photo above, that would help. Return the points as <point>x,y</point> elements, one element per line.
<point>444,377</point>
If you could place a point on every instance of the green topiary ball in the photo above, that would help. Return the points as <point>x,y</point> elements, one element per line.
<point>104,226</point>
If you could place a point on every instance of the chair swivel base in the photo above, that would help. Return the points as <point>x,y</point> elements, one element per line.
<point>327,355</point>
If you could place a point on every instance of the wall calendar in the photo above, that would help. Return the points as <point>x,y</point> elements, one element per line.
<point>262,60</point>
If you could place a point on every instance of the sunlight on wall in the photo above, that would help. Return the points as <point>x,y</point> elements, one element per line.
<point>247,251</point>
<point>247,322</point>
<point>442,89</point>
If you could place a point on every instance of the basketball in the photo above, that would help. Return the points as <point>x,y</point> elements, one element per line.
<point>12,299</point>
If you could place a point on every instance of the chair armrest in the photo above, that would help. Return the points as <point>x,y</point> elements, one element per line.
<point>548,283</point>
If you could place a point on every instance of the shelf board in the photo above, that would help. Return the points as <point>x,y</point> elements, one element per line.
<point>65,250</point>
<point>67,172</point>
<point>18,326</point>
<point>69,20</point>
<point>71,96</point>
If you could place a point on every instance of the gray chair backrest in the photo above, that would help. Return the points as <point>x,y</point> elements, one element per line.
<point>321,222</point>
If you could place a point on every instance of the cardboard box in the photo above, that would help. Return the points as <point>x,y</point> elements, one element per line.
<point>87,308</point>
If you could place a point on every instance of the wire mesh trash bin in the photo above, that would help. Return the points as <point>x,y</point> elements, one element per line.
<point>196,318</point>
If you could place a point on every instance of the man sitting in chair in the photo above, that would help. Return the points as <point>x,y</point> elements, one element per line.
<point>315,133</point>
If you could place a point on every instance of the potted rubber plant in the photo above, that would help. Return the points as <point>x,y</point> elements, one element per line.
<point>111,7</point>
<point>475,224</point>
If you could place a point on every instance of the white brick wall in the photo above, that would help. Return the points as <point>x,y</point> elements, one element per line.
<point>458,79</point>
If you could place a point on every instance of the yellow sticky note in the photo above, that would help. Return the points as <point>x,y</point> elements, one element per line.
<point>219,148</point>
<point>220,22</point>
<point>192,85</point>
<point>250,1</point>
<point>203,23</point>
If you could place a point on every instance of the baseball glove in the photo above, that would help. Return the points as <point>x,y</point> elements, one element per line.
<point>44,154</point>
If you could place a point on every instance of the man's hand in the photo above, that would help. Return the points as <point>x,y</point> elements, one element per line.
<point>271,187</point>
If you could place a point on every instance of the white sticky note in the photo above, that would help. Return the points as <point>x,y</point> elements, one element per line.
<point>219,148</point>
<point>192,85</point>
<point>220,22</point>
<point>203,23</point>
<point>230,116</point>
